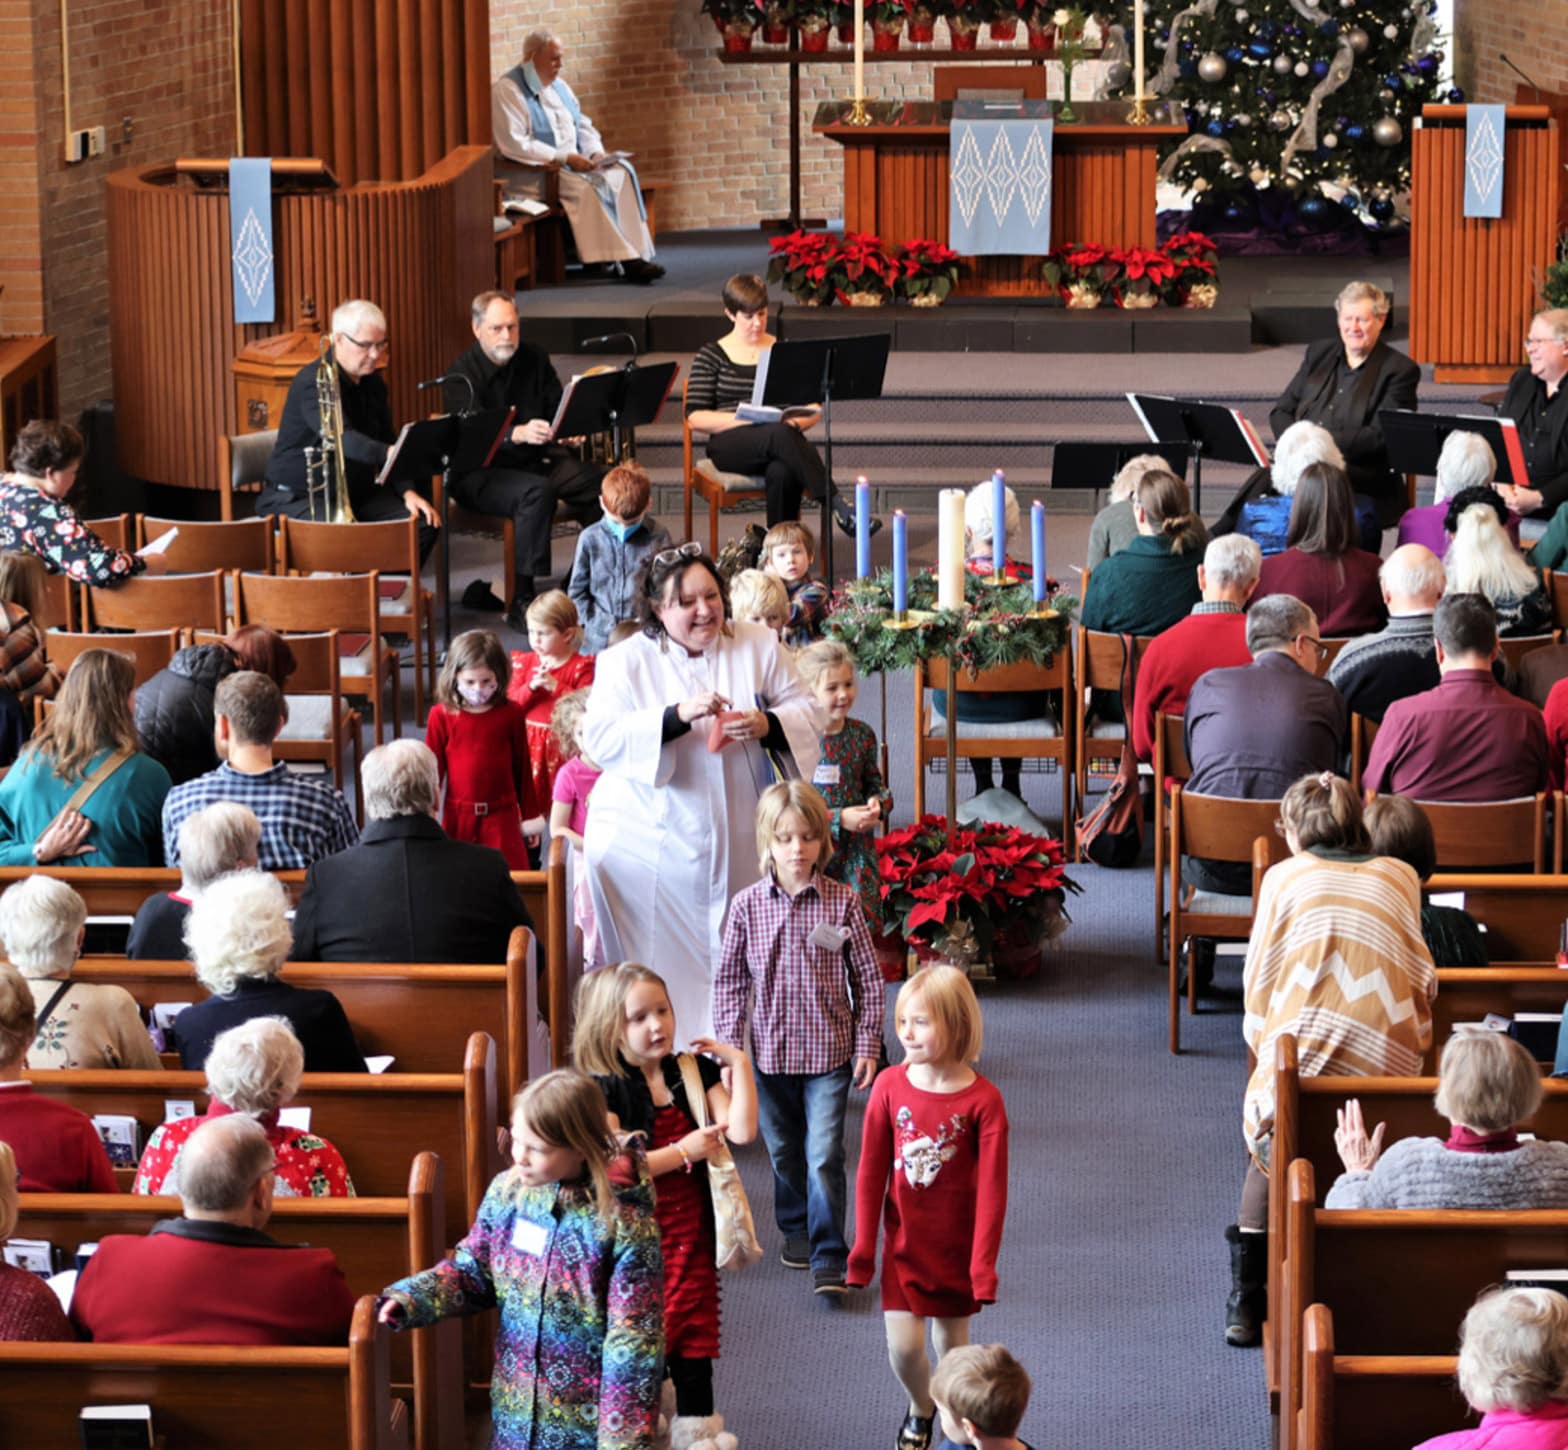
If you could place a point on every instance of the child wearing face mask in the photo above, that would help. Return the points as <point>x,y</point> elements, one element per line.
<point>611,551</point>
<point>480,741</point>
<point>553,667</point>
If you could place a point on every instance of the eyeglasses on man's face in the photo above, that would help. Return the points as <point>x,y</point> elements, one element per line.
<point>1318,647</point>
<point>381,347</point>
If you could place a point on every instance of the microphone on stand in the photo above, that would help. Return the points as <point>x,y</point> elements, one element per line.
<point>450,378</point>
<point>1522,76</point>
<point>590,342</point>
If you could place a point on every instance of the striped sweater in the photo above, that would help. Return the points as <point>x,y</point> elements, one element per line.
<point>714,383</point>
<point>1337,959</point>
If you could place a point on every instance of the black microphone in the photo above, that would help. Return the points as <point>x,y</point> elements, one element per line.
<point>463,378</point>
<point>589,342</point>
<point>1522,76</point>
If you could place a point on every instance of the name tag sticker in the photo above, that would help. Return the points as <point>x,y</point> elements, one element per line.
<point>528,1237</point>
<point>825,774</point>
<point>829,937</point>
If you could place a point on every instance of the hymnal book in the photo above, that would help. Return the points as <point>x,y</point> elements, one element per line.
<point>765,413</point>
<point>526,205</point>
<point>1537,1033</point>
<point>37,1256</point>
<point>1554,1279</point>
<point>121,1136</point>
<point>294,1117</point>
<point>116,1427</point>
<point>83,1253</point>
<point>176,1108</point>
<point>380,1064</point>
<point>612,158</point>
<point>161,1028</point>
<point>159,545</point>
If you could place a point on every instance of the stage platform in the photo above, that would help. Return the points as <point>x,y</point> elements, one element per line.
<point>1264,301</point>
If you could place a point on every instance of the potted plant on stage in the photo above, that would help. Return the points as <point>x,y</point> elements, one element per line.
<point>803,264</point>
<point>737,21</point>
<point>964,18</point>
<point>776,17</point>
<point>842,13</point>
<point>813,18</point>
<point>1144,276</point>
<point>928,271</point>
<point>1037,22</point>
<point>863,272</point>
<point>922,23</point>
<point>1082,274</point>
<point>1196,259</point>
<point>1003,20</point>
<point>888,18</point>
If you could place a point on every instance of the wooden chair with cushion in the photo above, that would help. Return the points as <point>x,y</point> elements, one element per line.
<point>148,602</point>
<point>350,604</point>
<point>1099,667</point>
<point>114,529</point>
<point>709,482</point>
<point>1217,828</point>
<point>1493,833</point>
<point>1170,764</point>
<point>235,544</point>
<point>242,466</point>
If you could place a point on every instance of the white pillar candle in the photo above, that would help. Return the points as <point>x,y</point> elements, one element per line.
<point>1137,48</point>
<point>860,49</point>
<point>950,549</point>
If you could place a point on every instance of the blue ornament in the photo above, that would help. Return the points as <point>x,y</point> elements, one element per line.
<point>1216,127</point>
<point>1456,97</point>
<point>1427,64</point>
<point>1267,29</point>
<point>1235,54</point>
<point>1259,49</point>
<point>1188,69</point>
<point>1314,212</point>
<point>1320,68</point>
<point>1392,81</point>
<point>1353,132</point>
<point>1382,208</point>
<point>1329,29</point>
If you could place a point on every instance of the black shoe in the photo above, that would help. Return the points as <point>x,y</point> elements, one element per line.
<point>1248,1299</point>
<point>1197,955</point>
<point>517,616</point>
<point>915,1433</point>
<point>844,517</point>
<point>638,270</point>
<point>828,1281</point>
<point>796,1254</point>
<point>480,596</point>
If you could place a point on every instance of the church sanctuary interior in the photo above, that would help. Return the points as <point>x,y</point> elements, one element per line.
<point>1013,558</point>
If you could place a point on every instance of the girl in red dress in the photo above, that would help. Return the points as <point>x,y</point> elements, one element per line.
<point>480,741</point>
<point>541,675</point>
<point>625,1030</point>
<point>933,1162</point>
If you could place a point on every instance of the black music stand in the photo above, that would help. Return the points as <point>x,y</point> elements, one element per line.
<point>1213,430</point>
<point>1415,439</point>
<point>628,397</point>
<point>818,370</point>
<point>452,443</point>
<point>1092,467</point>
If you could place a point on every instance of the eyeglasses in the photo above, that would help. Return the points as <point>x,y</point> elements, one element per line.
<point>383,346</point>
<point>1530,342</point>
<point>665,557</point>
<point>1318,646</point>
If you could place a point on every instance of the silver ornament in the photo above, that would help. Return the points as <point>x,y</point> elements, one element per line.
<point>1386,96</point>
<point>1391,32</point>
<point>1243,119</point>
<point>1241,16</point>
<point>1212,68</point>
<point>1280,121</point>
<point>1357,39</point>
<point>1329,141</point>
<point>1386,131</point>
<point>1302,68</point>
<point>1282,65</point>
<point>1117,74</point>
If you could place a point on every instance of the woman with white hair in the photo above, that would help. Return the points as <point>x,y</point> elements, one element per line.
<point>29,1309</point>
<point>1466,462</point>
<point>1483,560</point>
<point>79,1024</point>
<point>239,938</point>
<point>1116,525</point>
<point>253,1069</point>
<point>1267,498</point>
<point>224,837</point>
<point>1513,1370</point>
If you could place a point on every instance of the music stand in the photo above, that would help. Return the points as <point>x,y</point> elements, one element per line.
<point>1213,430</point>
<point>628,397</point>
<point>818,370</point>
<point>452,443</point>
<point>1415,439</point>
<point>1077,467</point>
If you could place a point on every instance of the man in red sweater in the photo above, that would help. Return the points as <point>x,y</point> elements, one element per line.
<point>212,1276</point>
<point>1212,637</point>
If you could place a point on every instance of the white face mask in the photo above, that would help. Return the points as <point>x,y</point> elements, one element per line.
<point>476,694</point>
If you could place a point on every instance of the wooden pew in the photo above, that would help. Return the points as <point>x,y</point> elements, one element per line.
<point>120,890</point>
<point>544,893</point>
<point>1523,915</point>
<point>1443,1260</point>
<point>1372,1402</point>
<point>375,1240</point>
<point>1467,994</point>
<point>376,1122</point>
<point>242,1398</point>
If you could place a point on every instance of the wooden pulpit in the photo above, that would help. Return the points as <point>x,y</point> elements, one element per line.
<point>1473,281</point>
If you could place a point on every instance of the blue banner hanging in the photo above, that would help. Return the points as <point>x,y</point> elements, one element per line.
<point>999,171</point>
<point>1484,129</point>
<point>250,238</point>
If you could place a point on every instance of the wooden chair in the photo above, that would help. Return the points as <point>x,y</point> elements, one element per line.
<point>1516,648</point>
<point>1362,733</point>
<point>1557,582</point>
<point>1043,738</point>
<point>469,521</point>
<point>390,550</point>
<point>147,602</point>
<point>114,530</point>
<point>1012,83</point>
<point>242,465</point>
<point>709,482</point>
<point>1523,915</point>
<point>1170,763</point>
<point>1098,667</point>
<point>241,1397</point>
<point>1217,828</point>
<point>234,544</point>
<point>120,890</point>
<point>1493,833</point>
<point>348,603</point>
<point>1331,648</point>
<point>149,652</point>
<point>60,600</point>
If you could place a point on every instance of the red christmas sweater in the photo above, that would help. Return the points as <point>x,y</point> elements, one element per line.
<point>538,705</point>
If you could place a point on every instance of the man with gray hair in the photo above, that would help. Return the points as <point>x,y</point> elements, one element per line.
<point>540,131</point>
<point>1374,670</point>
<point>1252,731</point>
<point>1538,403</point>
<point>407,892</point>
<point>1212,636</point>
<point>212,1276</point>
<point>359,346</point>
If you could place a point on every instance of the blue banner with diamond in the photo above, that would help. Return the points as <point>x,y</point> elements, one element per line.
<point>1484,128</point>
<point>250,238</point>
<point>999,178</point>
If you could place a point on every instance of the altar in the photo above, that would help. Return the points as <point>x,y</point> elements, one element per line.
<point>896,181</point>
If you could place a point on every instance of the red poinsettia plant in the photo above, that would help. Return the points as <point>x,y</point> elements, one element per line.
<point>957,894</point>
<point>926,269</point>
<point>863,266</point>
<point>1196,259</point>
<point>803,262</point>
<point>1144,276</point>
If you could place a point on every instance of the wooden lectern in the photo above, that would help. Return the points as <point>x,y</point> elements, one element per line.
<point>1473,282</point>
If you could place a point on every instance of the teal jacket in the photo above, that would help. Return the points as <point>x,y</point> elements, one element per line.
<point>126,811</point>
<point>1142,590</point>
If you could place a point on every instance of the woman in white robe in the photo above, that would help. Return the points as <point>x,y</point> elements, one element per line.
<point>671,832</point>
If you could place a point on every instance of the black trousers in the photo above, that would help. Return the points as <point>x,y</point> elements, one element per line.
<point>371,506</point>
<point>693,1381</point>
<point>530,500</point>
<point>782,454</point>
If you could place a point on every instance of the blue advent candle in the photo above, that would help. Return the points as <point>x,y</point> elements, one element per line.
<point>998,521</point>
<point>1037,549</point>
<point>862,528</point>
<point>900,562</point>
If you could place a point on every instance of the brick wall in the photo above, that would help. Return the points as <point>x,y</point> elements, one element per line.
<point>21,235</point>
<point>1534,36</point>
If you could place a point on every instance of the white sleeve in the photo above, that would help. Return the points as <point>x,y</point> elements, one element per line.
<point>513,131</point>
<point>790,701</point>
<point>623,730</point>
<point>589,142</point>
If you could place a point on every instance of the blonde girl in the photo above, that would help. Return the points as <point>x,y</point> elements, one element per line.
<point>554,666</point>
<point>625,1037</point>
<point>480,741</point>
<point>933,1172</point>
<point>574,783</point>
<point>567,1247</point>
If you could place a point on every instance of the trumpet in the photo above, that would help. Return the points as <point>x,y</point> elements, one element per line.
<point>326,468</point>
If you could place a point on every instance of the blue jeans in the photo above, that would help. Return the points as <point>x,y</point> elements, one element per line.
<point>802,1118</point>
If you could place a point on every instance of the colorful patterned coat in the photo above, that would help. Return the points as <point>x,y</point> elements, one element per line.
<point>850,774</point>
<point>579,1354</point>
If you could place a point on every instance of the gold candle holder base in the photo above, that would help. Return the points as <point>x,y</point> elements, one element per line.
<point>1139,114</point>
<point>903,621</point>
<point>858,113</point>
<point>996,580</point>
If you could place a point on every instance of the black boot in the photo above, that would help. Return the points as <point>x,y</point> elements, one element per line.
<point>1249,1275</point>
<point>844,516</point>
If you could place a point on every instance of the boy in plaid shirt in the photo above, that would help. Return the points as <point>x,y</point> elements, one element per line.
<point>797,961</point>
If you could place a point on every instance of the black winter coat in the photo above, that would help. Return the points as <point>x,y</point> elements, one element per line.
<point>174,711</point>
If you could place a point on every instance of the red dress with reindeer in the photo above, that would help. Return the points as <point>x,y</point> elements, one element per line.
<point>934,1166</point>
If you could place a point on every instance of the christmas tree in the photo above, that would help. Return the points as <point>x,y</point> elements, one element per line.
<point>1316,100</point>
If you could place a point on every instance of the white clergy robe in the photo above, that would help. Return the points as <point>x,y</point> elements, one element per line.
<point>671,833</point>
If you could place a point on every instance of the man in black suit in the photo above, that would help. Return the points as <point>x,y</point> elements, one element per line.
<point>407,892</point>
<point>1344,384</point>
<point>1538,403</point>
